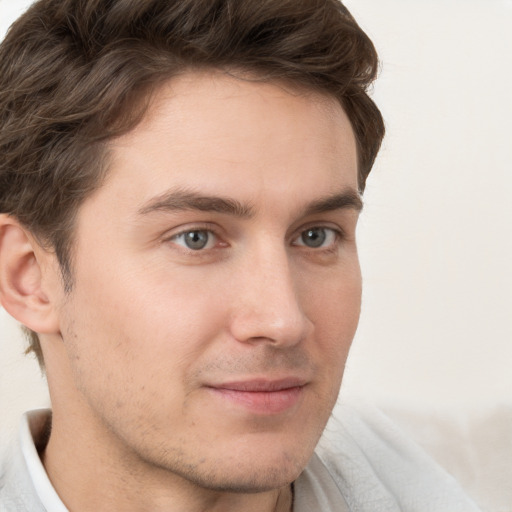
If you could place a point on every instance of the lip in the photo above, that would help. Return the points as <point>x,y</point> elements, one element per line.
<point>262,396</point>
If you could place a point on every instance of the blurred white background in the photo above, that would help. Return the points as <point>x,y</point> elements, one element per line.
<point>435,236</point>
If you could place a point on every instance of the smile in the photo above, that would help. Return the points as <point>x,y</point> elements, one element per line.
<point>262,396</point>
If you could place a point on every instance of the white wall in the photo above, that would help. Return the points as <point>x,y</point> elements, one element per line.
<point>435,237</point>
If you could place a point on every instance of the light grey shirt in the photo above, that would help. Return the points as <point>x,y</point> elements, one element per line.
<point>363,463</point>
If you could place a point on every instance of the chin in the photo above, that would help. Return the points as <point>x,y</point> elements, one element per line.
<point>249,481</point>
<point>242,472</point>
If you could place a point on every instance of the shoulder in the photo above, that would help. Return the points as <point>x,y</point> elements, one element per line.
<point>17,492</point>
<point>376,467</point>
<point>13,483</point>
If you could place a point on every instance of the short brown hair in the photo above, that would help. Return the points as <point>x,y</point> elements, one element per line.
<point>75,73</point>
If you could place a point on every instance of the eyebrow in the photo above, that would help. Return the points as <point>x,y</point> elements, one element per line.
<point>187,200</point>
<point>348,199</point>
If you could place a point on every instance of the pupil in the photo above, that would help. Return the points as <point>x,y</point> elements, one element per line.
<point>196,239</point>
<point>314,237</point>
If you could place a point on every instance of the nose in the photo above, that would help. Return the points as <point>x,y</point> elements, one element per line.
<point>267,305</point>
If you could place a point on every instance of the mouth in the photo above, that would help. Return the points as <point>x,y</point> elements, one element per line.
<point>262,396</point>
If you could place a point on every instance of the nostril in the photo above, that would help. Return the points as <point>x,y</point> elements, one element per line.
<point>271,324</point>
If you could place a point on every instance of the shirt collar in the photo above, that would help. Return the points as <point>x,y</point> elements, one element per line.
<point>32,434</point>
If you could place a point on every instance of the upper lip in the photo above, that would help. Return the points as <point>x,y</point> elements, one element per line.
<point>261,384</point>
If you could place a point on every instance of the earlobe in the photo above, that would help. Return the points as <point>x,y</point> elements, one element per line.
<point>22,293</point>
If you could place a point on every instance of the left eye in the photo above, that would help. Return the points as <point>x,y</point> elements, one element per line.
<point>316,237</point>
<point>195,239</point>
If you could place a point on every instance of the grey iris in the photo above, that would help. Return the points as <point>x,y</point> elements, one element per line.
<point>314,237</point>
<point>196,240</point>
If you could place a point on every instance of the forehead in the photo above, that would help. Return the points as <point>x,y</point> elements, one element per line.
<point>210,130</point>
<point>201,99</point>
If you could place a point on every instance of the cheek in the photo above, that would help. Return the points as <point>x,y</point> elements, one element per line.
<point>334,301</point>
<point>140,354</point>
<point>334,310</point>
<point>141,324</point>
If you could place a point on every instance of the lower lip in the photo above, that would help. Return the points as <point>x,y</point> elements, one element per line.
<point>263,402</point>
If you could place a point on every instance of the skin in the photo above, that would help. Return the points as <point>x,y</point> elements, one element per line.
<point>138,354</point>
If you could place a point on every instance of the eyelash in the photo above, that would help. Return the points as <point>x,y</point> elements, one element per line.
<point>337,233</point>
<point>208,228</point>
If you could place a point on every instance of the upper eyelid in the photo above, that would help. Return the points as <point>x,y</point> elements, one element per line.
<point>180,230</point>
<point>318,225</point>
<point>220,233</point>
<point>196,253</point>
<point>338,232</point>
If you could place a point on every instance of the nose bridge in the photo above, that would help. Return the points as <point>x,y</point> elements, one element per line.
<point>268,305</point>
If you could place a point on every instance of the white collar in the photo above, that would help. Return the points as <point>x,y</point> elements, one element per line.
<point>31,428</point>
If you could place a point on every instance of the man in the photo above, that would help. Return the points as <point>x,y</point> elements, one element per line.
<point>180,188</point>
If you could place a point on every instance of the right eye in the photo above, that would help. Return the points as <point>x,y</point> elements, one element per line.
<point>195,239</point>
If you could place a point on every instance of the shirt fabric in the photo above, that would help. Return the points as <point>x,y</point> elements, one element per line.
<point>363,463</point>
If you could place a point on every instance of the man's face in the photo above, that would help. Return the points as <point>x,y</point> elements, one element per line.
<point>216,283</point>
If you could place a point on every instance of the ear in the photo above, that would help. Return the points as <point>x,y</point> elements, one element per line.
<point>22,290</point>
